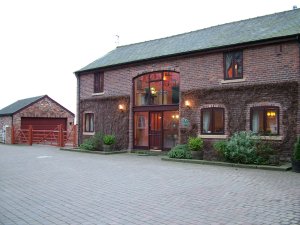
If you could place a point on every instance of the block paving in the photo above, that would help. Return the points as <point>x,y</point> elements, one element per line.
<point>43,185</point>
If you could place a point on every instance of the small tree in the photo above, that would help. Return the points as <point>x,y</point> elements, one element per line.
<point>195,144</point>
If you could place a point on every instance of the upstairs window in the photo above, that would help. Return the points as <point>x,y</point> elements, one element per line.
<point>98,82</point>
<point>212,121</point>
<point>233,65</point>
<point>157,88</point>
<point>265,120</point>
<point>89,122</point>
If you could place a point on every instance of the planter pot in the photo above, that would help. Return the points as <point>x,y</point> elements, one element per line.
<point>296,166</point>
<point>107,148</point>
<point>197,154</point>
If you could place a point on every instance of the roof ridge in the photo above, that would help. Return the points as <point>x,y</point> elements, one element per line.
<point>206,28</point>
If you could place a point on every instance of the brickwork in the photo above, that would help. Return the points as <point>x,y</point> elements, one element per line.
<point>237,103</point>
<point>108,118</point>
<point>46,108</point>
<point>204,73</point>
<point>5,120</point>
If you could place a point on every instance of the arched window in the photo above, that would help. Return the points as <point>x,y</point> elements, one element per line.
<point>157,88</point>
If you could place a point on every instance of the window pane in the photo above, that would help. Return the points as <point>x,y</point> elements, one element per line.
<point>141,90</point>
<point>218,120</point>
<point>141,129</point>
<point>234,65</point>
<point>89,122</point>
<point>155,76</point>
<point>155,94</point>
<point>170,124</point>
<point>96,82</point>
<point>206,121</point>
<point>171,88</point>
<point>271,121</point>
<point>238,64</point>
<point>257,121</point>
<point>228,65</point>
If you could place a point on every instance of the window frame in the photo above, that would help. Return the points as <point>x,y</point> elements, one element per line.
<point>212,109</point>
<point>234,61</point>
<point>98,82</point>
<point>151,80</point>
<point>265,109</point>
<point>92,118</point>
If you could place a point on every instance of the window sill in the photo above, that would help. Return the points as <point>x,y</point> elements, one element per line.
<point>270,138</point>
<point>232,81</point>
<point>98,94</point>
<point>213,136</point>
<point>88,133</point>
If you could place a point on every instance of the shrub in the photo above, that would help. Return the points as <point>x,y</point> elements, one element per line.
<point>93,143</point>
<point>109,139</point>
<point>180,152</point>
<point>244,147</point>
<point>195,143</point>
<point>296,155</point>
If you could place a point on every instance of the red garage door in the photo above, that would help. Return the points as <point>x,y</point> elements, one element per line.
<point>39,123</point>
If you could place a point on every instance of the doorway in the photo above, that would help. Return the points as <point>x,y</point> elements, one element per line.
<point>156,130</point>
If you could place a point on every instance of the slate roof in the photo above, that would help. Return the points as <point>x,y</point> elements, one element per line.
<point>18,105</point>
<point>272,26</point>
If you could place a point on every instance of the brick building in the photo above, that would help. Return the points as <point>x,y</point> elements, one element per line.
<point>41,112</point>
<point>211,82</point>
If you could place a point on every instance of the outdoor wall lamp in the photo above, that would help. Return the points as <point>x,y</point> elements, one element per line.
<point>121,107</point>
<point>187,104</point>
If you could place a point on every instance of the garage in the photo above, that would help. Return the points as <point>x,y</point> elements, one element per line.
<point>38,120</point>
<point>39,123</point>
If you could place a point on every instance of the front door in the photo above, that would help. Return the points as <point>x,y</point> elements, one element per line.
<point>155,130</point>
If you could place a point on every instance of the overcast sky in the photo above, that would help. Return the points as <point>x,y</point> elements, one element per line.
<point>42,42</point>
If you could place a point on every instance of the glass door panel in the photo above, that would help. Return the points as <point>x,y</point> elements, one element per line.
<point>170,127</point>
<point>155,134</point>
<point>141,129</point>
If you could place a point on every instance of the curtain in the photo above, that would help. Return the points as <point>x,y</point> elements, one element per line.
<point>255,121</point>
<point>206,121</point>
<point>228,63</point>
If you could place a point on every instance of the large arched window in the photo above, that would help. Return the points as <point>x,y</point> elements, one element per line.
<point>157,88</point>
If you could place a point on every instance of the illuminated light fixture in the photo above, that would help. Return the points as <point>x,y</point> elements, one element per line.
<point>153,91</point>
<point>121,107</point>
<point>271,114</point>
<point>173,116</point>
<point>177,116</point>
<point>187,103</point>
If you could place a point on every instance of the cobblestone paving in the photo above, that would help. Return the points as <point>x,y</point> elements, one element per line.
<point>43,185</point>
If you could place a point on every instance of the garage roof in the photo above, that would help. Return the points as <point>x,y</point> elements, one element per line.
<point>278,25</point>
<point>23,103</point>
<point>18,105</point>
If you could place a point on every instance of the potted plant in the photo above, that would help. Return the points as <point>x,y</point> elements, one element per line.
<point>195,145</point>
<point>108,141</point>
<point>296,157</point>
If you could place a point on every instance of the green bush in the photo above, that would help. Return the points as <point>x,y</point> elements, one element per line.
<point>109,139</point>
<point>93,143</point>
<point>244,147</point>
<point>296,155</point>
<point>195,143</point>
<point>180,152</point>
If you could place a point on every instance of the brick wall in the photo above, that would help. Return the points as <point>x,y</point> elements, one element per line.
<point>108,119</point>
<point>44,108</point>
<point>277,63</point>
<point>260,65</point>
<point>237,102</point>
<point>5,120</point>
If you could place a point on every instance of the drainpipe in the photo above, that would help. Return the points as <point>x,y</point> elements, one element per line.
<point>78,108</point>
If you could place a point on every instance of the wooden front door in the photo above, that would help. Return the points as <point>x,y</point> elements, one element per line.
<point>155,130</point>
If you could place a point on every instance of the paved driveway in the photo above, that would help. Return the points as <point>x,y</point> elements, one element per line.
<point>43,185</point>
